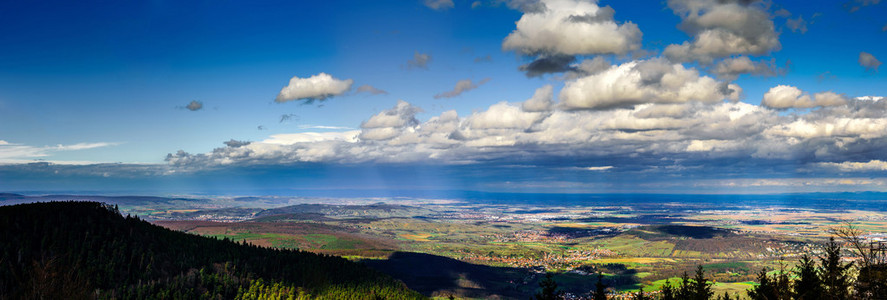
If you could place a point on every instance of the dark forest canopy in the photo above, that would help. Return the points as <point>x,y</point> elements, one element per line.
<point>86,250</point>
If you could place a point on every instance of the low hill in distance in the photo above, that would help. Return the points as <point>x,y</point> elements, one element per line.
<point>88,250</point>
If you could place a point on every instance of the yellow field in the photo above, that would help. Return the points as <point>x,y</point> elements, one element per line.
<point>419,237</point>
<point>638,260</point>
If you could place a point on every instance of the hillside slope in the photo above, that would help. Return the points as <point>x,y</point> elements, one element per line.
<point>85,250</point>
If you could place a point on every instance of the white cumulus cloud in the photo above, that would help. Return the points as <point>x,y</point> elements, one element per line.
<point>318,87</point>
<point>541,101</point>
<point>572,27</point>
<point>721,28</point>
<point>786,96</point>
<point>638,82</point>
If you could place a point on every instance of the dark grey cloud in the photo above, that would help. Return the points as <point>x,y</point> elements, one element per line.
<point>194,105</point>
<point>869,61</point>
<point>235,143</point>
<point>526,6</point>
<point>521,5</point>
<point>604,14</point>
<point>548,64</point>
<point>366,88</point>
<point>462,86</point>
<point>288,117</point>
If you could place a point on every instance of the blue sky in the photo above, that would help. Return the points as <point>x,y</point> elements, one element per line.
<point>659,96</point>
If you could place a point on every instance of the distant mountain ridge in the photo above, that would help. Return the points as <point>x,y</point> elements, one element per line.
<point>87,250</point>
<point>375,210</point>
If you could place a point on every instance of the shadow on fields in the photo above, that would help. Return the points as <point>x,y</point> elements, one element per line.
<point>434,275</point>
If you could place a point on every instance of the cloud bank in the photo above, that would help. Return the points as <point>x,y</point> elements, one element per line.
<point>657,126</point>
<point>19,153</point>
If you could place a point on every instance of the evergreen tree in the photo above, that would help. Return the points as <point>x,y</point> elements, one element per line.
<point>600,288</point>
<point>776,287</point>
<point>684,289</point>
<point>783,284</point>
<point>872,282</point>
<point>549,289</point>
<point>700,287</point>
<point>668,292</point>
<point>833,273</point>
<point>807,286</point>
<point>640,295</point>
<point>766,289</point>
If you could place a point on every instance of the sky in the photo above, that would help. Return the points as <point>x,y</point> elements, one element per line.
<point>547,96</point>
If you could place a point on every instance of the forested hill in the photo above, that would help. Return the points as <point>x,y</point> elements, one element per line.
<point>86,250</point>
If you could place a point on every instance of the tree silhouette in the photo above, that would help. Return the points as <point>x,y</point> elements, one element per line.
<point>871,282</point>
<point>834,274</point>
<point>668,292</point>
<point>600,288</point>
<point>725,296</point>
<point>701,287</point>
<point>549,288</point>
<point>640,295</point>
<point>684,291</point>
<point>807,286</point>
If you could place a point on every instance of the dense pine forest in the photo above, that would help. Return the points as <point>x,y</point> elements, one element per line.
<point>88,250</point>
